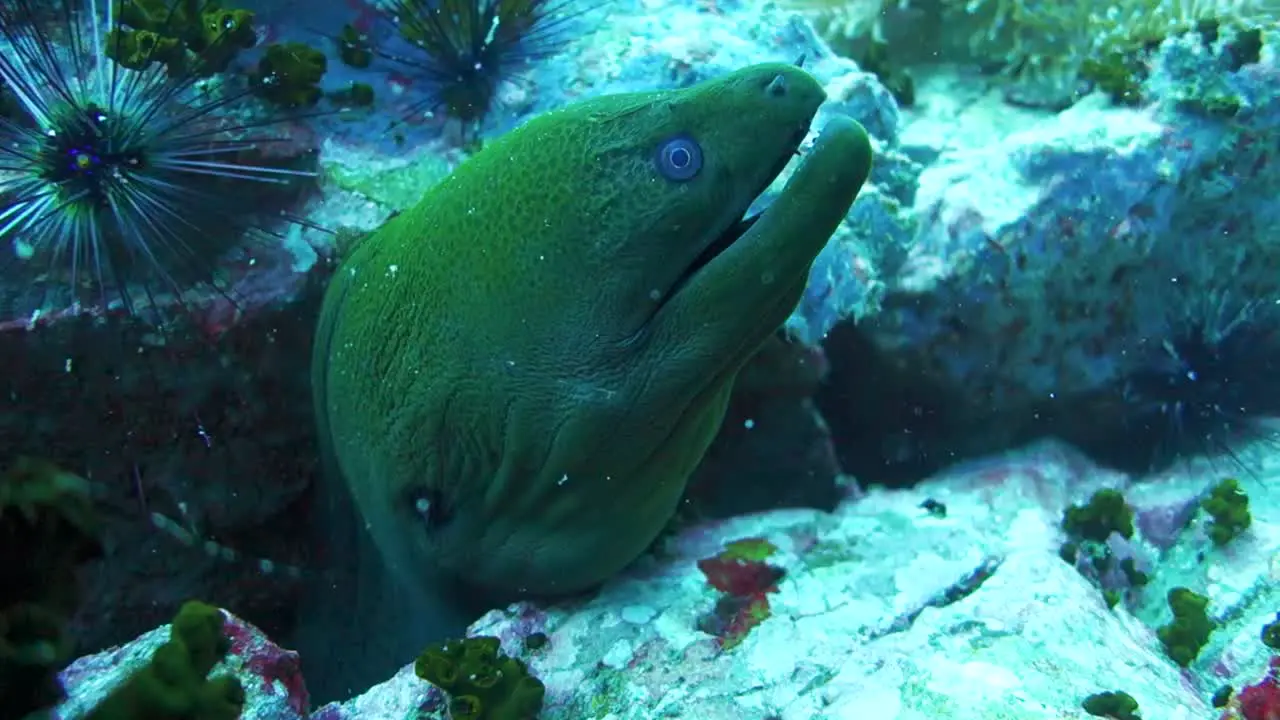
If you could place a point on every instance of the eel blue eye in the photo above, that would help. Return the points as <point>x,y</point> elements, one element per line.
<point>679,158</point>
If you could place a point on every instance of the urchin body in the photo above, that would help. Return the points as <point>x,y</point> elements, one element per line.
<point>463,50</point>
<point>1211,383</point>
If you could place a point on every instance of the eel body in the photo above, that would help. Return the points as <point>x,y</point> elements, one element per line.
<point>516,377</point>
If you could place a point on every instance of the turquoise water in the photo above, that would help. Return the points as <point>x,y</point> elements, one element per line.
<point>645,359</point>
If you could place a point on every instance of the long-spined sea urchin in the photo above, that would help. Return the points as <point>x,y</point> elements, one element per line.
<point>1211,385</point>
<point>463,49</point>
<point>118,186</point>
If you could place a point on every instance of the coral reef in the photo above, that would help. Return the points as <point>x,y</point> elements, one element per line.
<point>1098,544</point>
<point>50,527</point>
<point>1039,282</point>
<point>164,664</point>
<point>1045,52</point>
<point>172,433</point>
<point>884,608</point>
<point>1261,700</point>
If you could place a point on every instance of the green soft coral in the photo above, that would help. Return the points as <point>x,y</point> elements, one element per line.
<point>196,36</point>
<point>289,75</point>
<point>517,375</point>
<point>1105,513</point>
<point>353,47</point>
<point>1228,509</point>
<point>1189,631</point>
<point>173,685</point>
<point>48,528</point>
<point>481,682</point>
<point>1115,704</point>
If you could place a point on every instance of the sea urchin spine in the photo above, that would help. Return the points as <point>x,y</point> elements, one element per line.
<point>124,183</point>
<point>1211,385</point>
<point>465,48</point>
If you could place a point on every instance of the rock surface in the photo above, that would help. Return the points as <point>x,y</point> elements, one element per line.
<point>271,676</point>
<point>1053,258</point>
<point>884,609</point>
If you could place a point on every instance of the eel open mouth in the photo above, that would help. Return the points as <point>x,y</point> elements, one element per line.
<point>739,227</point>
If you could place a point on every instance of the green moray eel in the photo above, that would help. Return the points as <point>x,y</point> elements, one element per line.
<point>516,376</point>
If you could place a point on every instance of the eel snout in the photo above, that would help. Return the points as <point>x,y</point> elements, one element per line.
<point>795,97</point>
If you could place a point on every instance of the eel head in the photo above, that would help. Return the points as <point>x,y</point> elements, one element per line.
<point>518,375</point>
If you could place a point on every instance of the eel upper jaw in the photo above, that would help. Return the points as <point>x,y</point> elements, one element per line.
<point>739,227</point>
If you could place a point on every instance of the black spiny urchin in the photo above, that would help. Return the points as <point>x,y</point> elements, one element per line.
<point>1212,384</point>
<point>122,187</point>
<point>463,49</point>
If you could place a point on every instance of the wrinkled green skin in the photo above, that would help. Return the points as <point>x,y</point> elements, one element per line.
<point>514,348</point>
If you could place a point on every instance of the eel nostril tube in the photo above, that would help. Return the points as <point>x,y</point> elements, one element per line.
<point>777,87</point>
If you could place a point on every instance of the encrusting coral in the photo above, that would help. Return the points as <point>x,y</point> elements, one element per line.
<point>481,682</point>
<point>1047,42</point>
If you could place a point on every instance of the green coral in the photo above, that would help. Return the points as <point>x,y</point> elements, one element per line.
<point>136,49</point>
<point>355,95</point>
<point>534,642</point>
<point>1121,67</point>
<point>481,682</point>
<point>1271,633</point>
<point>1228,506</point>
<point>1222,696</point>
<point>1136,577</point>
<point>1105,513</point>
<point>173,685</point>
<point>1069,552</point>
<point>1116,705</point>
<point>353,47</point>
<point>289,75</point>
<point>1118,74</point>
<point>1188,633</point>
<point>48,528</point>
<point>196,36</point>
